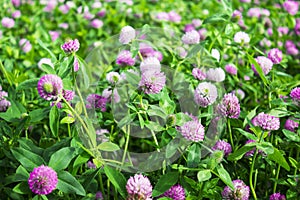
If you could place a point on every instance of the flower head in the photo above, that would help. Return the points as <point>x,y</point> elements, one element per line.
<point>99,196</point>
<point>174,17</point>
<point>291,7</point>
<point>215,74</point>
<point>215,54</point>
<point>231,69</point>
<point>150,63</point>
<point>96,101</point>
<point>266,121</point>
<point>205,94</point>
<point>198,74</point>
<point>241,37</point>
<point>127,34</point>
<point>139,187</point>
<point>230,106</point>
<point>25,45</point>
<point>8,22</point>
<point>241,191</point>
<point>291,124</point>
<point>176,192</point>
<point>71,46</point>
<point>275,55</point>
<point>295,94</point>
<point>222,146</point>
<point>50,86</point>
<point>191,37</point>
<point>152,81</point>
<point>265,64</point>
<point>4,103</point>
<point>113,77</point>
<point>96,23</point>
<point>125,58</point>
<point>42,180</point>
<point>68,94</point>
<point>192,130</point>
<point>277,196</point>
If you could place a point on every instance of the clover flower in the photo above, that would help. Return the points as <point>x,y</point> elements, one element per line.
<point>113,77</point>
<point>50,86</point>
<point>176,192</point>
<point>241,37</point>
<point>215,54</point>
<point>291,124</point>
<point>191,37</point>
<point>96,101</point>
<point>291,7</point>
<point>139,187</point>
<point>42,180</point>
<point>125,58</point>
<point>231,69</point>
<point>275,55</point>
<point>277,196</point>
<point>99,196</point>
<point>265,64</point>
<point>71,46</point>
<point>241,191</point>
<point>25,45</point>
<point>152,81</point>
<point>127,34</point>
<point>205,94</point>
<point>198,74</point>
<point>230,106</point>
<point>150,63</point>
<point>4,103</point>
<point>266,121</point>
<point>222,146</point>
<point>215,74</point>
<point>8,22</point>
<point>295,94</point>
<point>192,130</point>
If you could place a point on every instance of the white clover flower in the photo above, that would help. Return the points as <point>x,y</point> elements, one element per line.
<point>215,54</point>
<point>241,37</point>
<point>127,34</point>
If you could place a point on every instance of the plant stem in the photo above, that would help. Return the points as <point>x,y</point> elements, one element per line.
<point>277,175</point>
<point>126,143</point>
<point>250,175</point>
<point>101,184</point>
<point>155,140</point>
<point>230,134</point>
<point>69,130</point>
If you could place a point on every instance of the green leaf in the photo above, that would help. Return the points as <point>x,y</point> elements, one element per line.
<point>156,111</point>
<point>291,135</point>
<point>42,44</point>
<point>38,114</point>
<point>87,179</point>
<point>48,69</point>
<point>195,49</point>
<point>57,146</point>
<point>154,126</point>
<point>165,182</point>
<point>258,69</point>
<point>225,177</point>
<point>246,134</point>
<point>62,158</point>
<point>117,179</point>
<point>54,120</point>
<point>250,116</point>
<point>21,174</point>
<point>81,159</point>
<point>194,157</point>
<point>266,147</point>
<point>217,18</point>
<point>22,188</point>
<point>28,84</point>
<point>204,175</point>
<point>134,48</point>
<point>108,146</point>
<point>28,159</point>
<point>238,154</point>
<point>67,120</point>
<point>68,184</point>
<point>30,146</point>
<point>278,157</point>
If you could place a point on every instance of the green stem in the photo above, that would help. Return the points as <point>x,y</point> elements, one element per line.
<point>126,143</point>
<point>101,185</point>
<point>277,175</point>
<point>155,140</point>
<point>215,38</point>
<point>250,175</point>
<point>230,134</point>
<point>69,130</point>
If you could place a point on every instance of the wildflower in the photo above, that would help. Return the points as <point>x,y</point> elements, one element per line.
<point>191,37</point>
<point>241,38</point>
<point>16,14</point>
<point>215,74</point>
<point>96,101</point>
<point>222,146</point>
<point>241,191</point>
<point>4,103</point>
<point>16,3</point>
<point>71,46</point>
<point>99,195</point>
<point>198,74</point>
<point>215,54</point>
<point>68,95</point>
<point>265,64</point>
<point>291,7</point>
<point>192,130</point>
<point>96,23</point>
<point>64,25</point>
<point>174,17</point>
<point>251,152</point>
<point>46,61</point>
<point>295,94</point>
<point>181,52</point>
<point>297,27</point>
<point>162,16</point>
<point>50,6</point>
<point>189,27</point>
<point>291,124</point>
<point>42,180</point>
<point>275,55</point>
<point>50,86</point>
<point>139,187</point>
<point>266,121</point>
<point>152,81</point>
<point>230,106</point>
<point>197,22</point>
<point>231,69</point>
<point>54,35</point>
<point>100,135</point>
<point>277,196</point>
<point>176,192</point>
<point>205,94</point>
<point>127,34</point>
<point>239,93</point>
<point>125,58</point>
<point>150,63</point>
<point>75,64</point>
<point>91,165</point>
<point>113,77</point>
<point>25,45</point>
<point>7,22</point>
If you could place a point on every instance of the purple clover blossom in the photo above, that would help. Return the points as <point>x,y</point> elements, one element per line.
<point>277,196</point>
<point>25,45</point>
<point>91,165</point>
<point>8,22</point>
<point>236,15</point>
<point>291,124</point>
<point>297,27</point>
<point>189,27</point>
<point>125,58</point>
<point>205,94</point>
<point>191,37</point>
<point>16,14</point>
<point>198,74</point>
<point>192,130</point>
<point>265,64</point>
<point>16,3</point>
<point>4,103</point>
<point>99,196</point>
<point>127,34</point>
<point>239,93</point>
<point>291,7</point>
<point>54,35</point>
<point>96,101</point>
<point>295,94</point>
<point>230,106</point>
<point>96,23</point>
<point>139,187</point>
<point>150,63</point>
<point>50,86</point>
<point>152,81</point>
<point>222,146</point>
<point>176,192</point>
<point>71,46</point>
<point>241,191</point>
<point>251,152</point>
<point>174,17</point>
<point>75,64</point>
<point>42,180</point>
<point>275,55</point>
<point>266,121</point>
<point>68,94</point>
<point>231,69</point>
